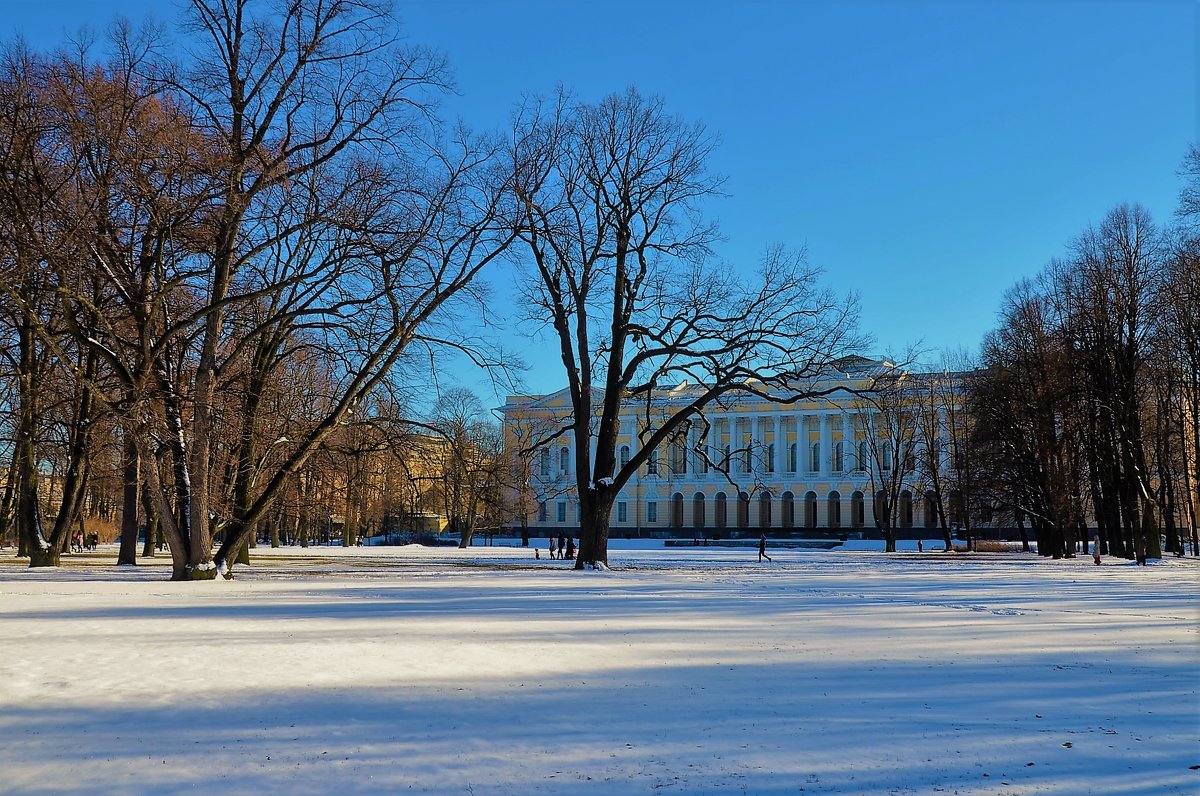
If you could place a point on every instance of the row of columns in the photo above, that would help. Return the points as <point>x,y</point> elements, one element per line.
<point>732,430</point>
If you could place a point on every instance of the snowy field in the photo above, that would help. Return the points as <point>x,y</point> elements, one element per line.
<point>690,670</point>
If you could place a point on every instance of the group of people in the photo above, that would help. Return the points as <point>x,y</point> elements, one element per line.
<point>79,542</point>
<point>562,547</point>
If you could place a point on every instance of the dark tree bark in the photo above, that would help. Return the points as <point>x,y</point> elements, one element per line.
<point>129,508</point>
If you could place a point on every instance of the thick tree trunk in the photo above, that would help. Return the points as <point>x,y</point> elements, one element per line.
<point>44,556</point>
<point>593,530</point>
<point>174,520</point>
<point>148,547</point>
<point>28,510</point>
<point>1024,533</point>
<point>7,502</point>
<point>129,508</point>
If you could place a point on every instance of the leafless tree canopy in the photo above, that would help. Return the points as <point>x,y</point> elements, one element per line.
<point>619,259</point>
<point>193,234</point>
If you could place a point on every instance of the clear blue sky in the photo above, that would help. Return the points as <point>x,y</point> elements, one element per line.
<point>929,154</point>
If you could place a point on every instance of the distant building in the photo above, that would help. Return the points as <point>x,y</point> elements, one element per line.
<point>800,467</point>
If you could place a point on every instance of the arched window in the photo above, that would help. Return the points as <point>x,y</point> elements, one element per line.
<point>930,510</point>
<point>743,510</point>
<point>857,510</point>
<point>564,460</point>
<point>624,455</point>
<point>814,458</point>
<point>698,511</point>
<point>910,457</point>
<point>788,505</point>
<point>835,510</point>
<point>764,510</point>
<point>838,461</point>
<point>887,455</point>
<point>791,464</point>
<point>864,456</point>
<point>721,519</point>
<point>544,463</point>
<point>810,509</point>
<point>906,509</point>
<point>677,510</point>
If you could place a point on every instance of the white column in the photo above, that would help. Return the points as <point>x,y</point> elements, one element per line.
<point>755,447</point>
<point>802,460</point>
<point>826,444</point>
<point>780,444</point>
<point>848,451</point>
<point>735,444</point>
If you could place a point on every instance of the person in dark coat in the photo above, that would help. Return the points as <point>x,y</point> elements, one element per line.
<point>762,548</point>
<point>570,548</point>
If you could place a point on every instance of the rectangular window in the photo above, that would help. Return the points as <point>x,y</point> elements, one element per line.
<point>652,464</point>
<point>651,512</point>
<point>562,512</point>
<point>622,512</point>
<point>542,514</point>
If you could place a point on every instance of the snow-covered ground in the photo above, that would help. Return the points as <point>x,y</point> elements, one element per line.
<point>687,670</point>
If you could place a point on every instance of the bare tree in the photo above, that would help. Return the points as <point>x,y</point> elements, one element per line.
<point>961,472</point>
<point>473,466</point>
<point>608,197</point>
<point>890,426</point>
<point>932,394</point>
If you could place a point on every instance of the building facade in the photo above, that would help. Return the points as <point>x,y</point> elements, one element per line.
<point>748,465</point>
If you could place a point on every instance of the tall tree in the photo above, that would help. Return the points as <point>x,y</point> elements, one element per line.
<point>609,195</point>
<point>890,429</point>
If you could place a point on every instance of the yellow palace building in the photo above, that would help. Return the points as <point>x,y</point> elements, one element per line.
<point>761,465</point>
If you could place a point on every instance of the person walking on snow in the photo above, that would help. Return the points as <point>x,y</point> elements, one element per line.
<point>762,548</point>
